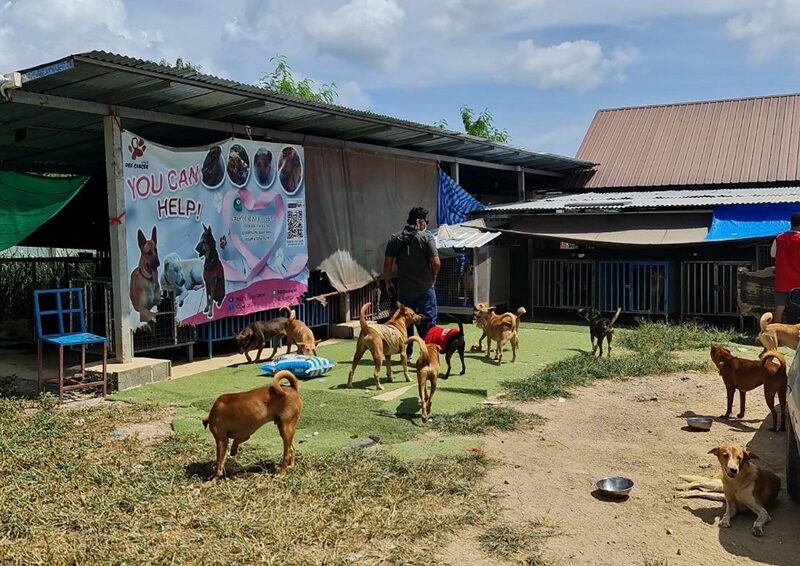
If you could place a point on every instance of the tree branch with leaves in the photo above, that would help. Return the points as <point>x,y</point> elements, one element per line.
<point>282,81</point>
<point>481,126</point>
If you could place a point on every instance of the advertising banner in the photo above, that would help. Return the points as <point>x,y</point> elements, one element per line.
<point>223,227</point>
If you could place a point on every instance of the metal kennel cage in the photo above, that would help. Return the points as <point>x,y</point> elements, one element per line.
<point>709,288</point>
<point>638,287</point>
<point>455,286</point>
<point>563,284</point>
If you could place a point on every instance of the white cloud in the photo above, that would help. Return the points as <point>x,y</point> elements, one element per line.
<point>578,64</point>
<point>352,96</point>
<point>770,29</point>
<point>361,31</point>
<point>35,31</point>
<point>460,16</point>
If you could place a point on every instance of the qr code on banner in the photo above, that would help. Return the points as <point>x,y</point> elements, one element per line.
<point>294,225</point>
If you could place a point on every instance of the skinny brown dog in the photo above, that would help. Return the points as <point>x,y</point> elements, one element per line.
<point>745,375</point>
<point>238,415</point>
<point>297,333</point>
<point>774,334</point>
<point>427,371</point>
<point>500,328</point>
<point>384,340</point>
<point>745,485</point>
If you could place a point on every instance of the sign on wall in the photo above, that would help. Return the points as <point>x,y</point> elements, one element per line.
<point>222,226</point>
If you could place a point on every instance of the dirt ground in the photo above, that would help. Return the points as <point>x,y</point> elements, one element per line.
<point>634,428</point>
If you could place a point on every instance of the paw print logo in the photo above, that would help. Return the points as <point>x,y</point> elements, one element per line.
<point>223,241</point>
<point>136,147</point>
<point>218,202</point>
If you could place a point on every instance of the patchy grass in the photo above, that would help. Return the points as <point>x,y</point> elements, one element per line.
<point>517,541</point>
<point>581,369</point>
<point>78,494</point>
<point>483,420</point>
<point>668,337</point>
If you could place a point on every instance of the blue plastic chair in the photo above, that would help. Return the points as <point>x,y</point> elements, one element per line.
<point>68,308</point>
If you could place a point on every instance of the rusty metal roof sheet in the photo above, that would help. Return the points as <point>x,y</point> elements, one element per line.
<point>740,141</point>
<point>643,200</point>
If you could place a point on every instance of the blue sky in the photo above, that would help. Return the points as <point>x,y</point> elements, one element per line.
<point>543,67</point>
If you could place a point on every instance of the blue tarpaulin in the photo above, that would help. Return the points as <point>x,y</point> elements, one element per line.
<point>745,221</point>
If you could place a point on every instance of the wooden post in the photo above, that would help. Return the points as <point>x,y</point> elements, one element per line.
<point>123,335</point>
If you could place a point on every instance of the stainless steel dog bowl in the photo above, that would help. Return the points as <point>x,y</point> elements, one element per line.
<point>699,423</point>
<point>615,486</point>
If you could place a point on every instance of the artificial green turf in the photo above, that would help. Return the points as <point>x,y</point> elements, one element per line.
<point>341,415</point>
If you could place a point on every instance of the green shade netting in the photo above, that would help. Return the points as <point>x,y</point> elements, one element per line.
<point>28,201</point>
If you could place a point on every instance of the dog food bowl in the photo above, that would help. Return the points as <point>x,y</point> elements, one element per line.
<point>699,423</point>
<point>615,486</point>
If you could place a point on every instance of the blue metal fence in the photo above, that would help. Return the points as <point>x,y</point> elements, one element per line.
<point>313,313</point>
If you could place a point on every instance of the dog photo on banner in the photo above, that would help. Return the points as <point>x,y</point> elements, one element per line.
<point>222,227</point>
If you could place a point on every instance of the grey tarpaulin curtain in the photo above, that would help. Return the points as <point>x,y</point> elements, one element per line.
<point>355,201</point>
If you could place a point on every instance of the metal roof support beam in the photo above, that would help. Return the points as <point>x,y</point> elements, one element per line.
<point>364,132</point>
<point>300,123</point>
<point>100,109</point>
<point>411,141</point>
<point>520,184</point>
<point>118,97</point>
<point>231,109</point>
<point>455,173</point>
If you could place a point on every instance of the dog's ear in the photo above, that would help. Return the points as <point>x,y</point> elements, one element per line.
<point>491,309</point>
<point>153,235</point>
<point>140,238</point>
<point>714,451</point>
<point>747,456</point>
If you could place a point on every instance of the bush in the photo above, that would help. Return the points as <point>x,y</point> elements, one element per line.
<point>690,335</point>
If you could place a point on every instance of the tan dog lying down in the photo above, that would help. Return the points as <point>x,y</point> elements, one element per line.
<point>745,485</point>
<point>384,341</point>
<point>237,416</point>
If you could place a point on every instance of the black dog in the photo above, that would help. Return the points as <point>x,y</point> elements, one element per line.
<point>213,272</point>
<point>599,328</point>
<point>449,341</point>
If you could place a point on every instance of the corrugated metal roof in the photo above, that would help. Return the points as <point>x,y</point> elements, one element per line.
<point>697,198</point>
<point>749,140</point>
<point>460,236</point>
<point>123,81</point>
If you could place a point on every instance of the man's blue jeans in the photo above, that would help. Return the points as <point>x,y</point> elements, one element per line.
<point>424,304</point>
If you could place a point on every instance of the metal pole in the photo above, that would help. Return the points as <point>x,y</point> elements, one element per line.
<point>520,184</point>
<point>455,172</point>
<point>123,335</point>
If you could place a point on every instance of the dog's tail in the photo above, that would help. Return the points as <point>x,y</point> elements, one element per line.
<point>290,313</point>
<point>615,317</point>
<point>280,376</point>
<point>205,422</point>
<point>520,311</point>
<point>457,321</point>
<point>766,319</point>
<point>774,354</point>
<point>423,348</point>
<point>362,317</point>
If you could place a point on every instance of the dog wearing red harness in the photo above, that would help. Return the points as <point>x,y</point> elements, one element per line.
<point>449,340</point>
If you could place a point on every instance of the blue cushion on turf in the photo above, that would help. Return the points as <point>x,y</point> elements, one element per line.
<point>301,366</point>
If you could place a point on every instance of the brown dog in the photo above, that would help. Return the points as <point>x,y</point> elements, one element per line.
<point>300,334</point>
<point>745,375</point>
<point>500,328</point>
<point>427,371</point>
<point>290,169</point>
<point>257,334</point>
<point>213,271</point>
<point>145,291</point>
<point>777,334</point>
<point>238,415</point>
<point>745,485</point>
<point>262,163</point>
<point>384,340</point>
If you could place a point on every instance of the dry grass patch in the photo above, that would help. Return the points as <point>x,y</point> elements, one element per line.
<point>74,492</point>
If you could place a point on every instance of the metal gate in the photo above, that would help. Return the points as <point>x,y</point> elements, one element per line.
<point>639,287</point>
<point>563,284</point>
<point>710,287</point>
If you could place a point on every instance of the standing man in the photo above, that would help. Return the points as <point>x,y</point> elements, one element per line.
<point>786,251</point>
<point>418,264</point>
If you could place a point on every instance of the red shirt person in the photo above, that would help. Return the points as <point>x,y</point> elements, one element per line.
<point>786,251</point>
